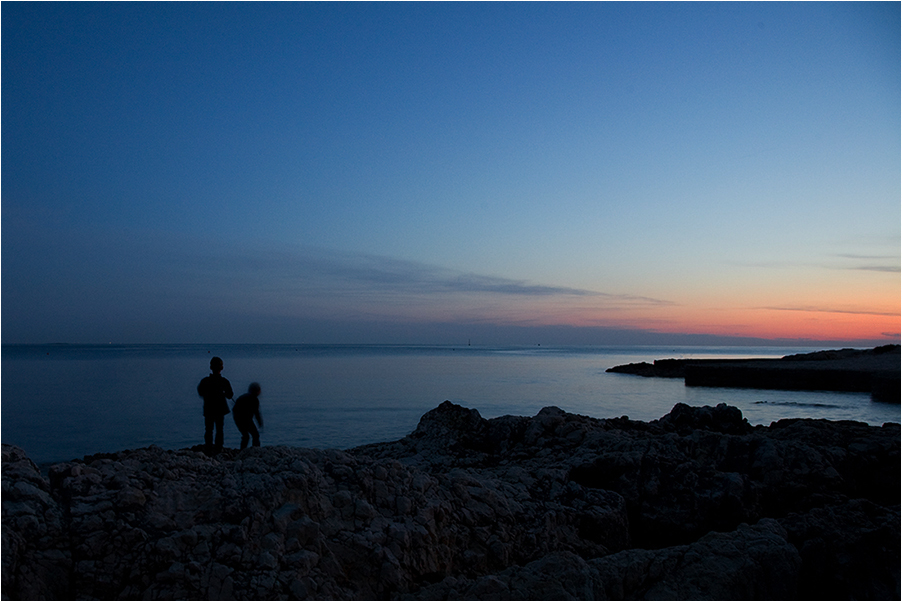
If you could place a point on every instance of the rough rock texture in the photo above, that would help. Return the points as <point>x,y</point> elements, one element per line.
<point>696,505</point>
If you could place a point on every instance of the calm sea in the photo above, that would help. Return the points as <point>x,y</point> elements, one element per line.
<point>61,402</point>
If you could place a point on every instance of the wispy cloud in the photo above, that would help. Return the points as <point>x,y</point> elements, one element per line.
<point>875,263</point>
<point>870,257</point>
<point>832,310</point>
<point>398,275</point>
<point>324,271</point>
<point>878,268</point>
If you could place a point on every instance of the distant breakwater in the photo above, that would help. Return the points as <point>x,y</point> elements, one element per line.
<point>875,371</point>
<point>696,505</point>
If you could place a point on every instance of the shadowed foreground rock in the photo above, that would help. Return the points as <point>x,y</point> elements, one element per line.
<point>696,505</point>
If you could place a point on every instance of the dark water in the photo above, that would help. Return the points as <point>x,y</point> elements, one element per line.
<point>63,402</point>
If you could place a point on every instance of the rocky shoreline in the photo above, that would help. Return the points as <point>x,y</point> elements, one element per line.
<point>696,505</point>
<point>875,371</point>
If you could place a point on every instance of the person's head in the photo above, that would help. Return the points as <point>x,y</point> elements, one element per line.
<point>216,364</point>
<point>254,389</point>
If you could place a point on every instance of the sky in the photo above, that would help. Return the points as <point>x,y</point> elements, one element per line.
<point>501,173</point>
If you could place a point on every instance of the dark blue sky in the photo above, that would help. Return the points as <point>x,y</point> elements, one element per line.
<point>287,172</point>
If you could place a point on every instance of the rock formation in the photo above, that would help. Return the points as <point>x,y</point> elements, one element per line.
<point>875,371</point>
<point>698,504</point>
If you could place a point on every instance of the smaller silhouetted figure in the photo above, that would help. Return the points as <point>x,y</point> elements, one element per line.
<point>215,390</point>
<point>245,410</point>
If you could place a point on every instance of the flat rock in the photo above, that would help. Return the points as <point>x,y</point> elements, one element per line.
<point>875,371</point>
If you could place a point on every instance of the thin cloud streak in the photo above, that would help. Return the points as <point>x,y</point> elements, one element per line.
<point>868,257</point>
<point>830,310</point>
<point>783,265</point>
<point>877,268</point>
<point>309,270</point>
<point>875,263</point>
<point>154,285</point>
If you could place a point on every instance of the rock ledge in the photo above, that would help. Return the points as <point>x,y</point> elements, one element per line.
<point>696,505</point>
<point>875,371</point>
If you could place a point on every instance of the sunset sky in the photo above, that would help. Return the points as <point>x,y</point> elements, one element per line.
<point>591,173</point>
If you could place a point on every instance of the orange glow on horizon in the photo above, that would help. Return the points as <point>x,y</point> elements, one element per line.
<point>808,323</point>
<point>780,324</point>
<point>837,313</point>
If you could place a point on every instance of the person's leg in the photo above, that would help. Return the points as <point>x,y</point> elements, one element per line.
<point>208,433</point>
<point>255,433</point>
<point>244,435</point>
<point>219,434</point>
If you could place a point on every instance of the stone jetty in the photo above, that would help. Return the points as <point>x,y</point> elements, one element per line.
<point>696,505</point>
<point>875,371</point>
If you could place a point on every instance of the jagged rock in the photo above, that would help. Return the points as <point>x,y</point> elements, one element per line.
<point>36,558</point>
<point>749,563</point>
<point>850,551</point>
<point>696,504</point>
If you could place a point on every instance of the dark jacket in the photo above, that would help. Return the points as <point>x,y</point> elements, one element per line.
<point>246,408</point>
<point>215,389</point>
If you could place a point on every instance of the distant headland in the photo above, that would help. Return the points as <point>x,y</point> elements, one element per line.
<point>874,371</point>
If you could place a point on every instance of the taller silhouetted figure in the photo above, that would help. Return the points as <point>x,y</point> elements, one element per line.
<point>215,390</point>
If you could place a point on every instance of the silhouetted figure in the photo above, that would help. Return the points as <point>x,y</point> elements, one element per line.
<point>246,408</point>
<point>215,390</point>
